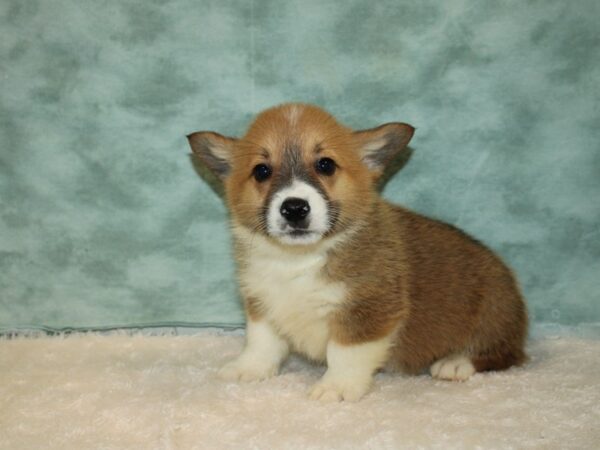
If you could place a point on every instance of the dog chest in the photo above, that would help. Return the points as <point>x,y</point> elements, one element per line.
<point>297,299</point>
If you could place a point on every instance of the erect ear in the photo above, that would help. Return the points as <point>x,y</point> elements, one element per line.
<point>378,146</point>
<point>214,150</point>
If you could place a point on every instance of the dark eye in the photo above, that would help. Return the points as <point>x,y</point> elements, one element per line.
<point>325,166</point>
<point>261,172</point>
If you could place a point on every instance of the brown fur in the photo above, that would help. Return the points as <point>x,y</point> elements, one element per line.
<point>253,308</point>
<point>440,291</point>
<point>445,292</point>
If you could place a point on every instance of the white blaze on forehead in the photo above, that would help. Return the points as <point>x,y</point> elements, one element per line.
<point>317,219</point>
<point>293,114</point>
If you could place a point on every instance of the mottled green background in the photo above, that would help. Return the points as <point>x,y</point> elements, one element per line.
<point>104,222</point>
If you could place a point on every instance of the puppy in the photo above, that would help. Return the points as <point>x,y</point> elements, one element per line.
<point>329,269</point>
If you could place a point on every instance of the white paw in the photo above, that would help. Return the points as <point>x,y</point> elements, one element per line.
<point>456,368</point>
<point>245,370</point>
<point>327,390</point>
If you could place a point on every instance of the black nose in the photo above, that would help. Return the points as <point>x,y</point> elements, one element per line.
<point>294,209</point>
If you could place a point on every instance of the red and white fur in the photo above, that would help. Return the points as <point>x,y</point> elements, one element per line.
<point>329,269</point>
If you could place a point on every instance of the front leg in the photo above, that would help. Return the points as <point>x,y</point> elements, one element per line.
<point>361,334</point>
<point>350,370</point>
<point>262,355</point>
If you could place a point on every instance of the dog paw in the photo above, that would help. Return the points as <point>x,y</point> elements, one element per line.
<point>336,391</point>
<point>242,370</point>
<point>455,368</point>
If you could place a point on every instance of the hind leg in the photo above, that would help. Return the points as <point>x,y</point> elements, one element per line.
<point>499,358</point>
<point>453,367</point>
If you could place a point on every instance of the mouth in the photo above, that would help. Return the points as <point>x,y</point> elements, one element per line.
<point>296,233</point>
<point>298,237</point>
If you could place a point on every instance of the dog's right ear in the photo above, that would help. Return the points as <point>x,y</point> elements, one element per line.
<point>214,150</point>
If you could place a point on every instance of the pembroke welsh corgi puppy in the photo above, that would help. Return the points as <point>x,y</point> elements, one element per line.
<point>329,269</point>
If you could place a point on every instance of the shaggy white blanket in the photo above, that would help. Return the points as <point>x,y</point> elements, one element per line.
<point>160,392</point>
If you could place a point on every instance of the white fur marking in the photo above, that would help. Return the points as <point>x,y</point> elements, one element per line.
<point>261,357</point>
<point>278,227</point>
<point>350,370</point>
<point>296,297</point>
<point>454,367</point>
<point>293,114</point>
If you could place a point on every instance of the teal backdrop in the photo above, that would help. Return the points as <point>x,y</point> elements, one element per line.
<point>104,222</point>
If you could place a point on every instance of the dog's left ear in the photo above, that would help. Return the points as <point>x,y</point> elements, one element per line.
<point>214,150</point>
<point>378,146</point>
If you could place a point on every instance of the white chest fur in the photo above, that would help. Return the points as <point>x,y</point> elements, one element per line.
<point>296,298</point>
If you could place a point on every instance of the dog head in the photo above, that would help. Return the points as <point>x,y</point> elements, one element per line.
<point>298,176</point>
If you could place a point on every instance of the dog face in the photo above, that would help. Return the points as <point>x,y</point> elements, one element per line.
<point>298,176</point>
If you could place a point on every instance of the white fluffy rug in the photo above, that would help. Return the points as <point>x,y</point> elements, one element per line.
<point>160,392</point>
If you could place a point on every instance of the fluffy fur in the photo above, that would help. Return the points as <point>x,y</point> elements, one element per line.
<point>354,280</point>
